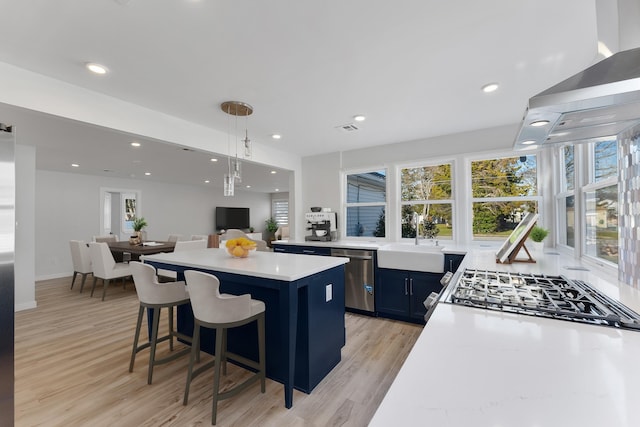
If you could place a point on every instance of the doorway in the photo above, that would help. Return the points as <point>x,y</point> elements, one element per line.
<point>118,209</point>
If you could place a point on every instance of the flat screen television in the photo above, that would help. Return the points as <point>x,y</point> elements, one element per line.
<point>227,218</point>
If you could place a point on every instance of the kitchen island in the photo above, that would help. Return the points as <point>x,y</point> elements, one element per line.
<point>475,367</point>
<point>304,298</point>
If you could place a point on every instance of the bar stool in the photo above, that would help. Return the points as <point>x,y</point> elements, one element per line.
<point>221,312</point>
<point>155,296</point>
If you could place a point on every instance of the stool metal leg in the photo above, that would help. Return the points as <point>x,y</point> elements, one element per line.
<point>195,350</point>
<point>93,288</point>
<point>136,338</point>
<point>75,273</point>
<point>105,283</point>
<point>171,332</point>
<point>261,351</point>
<point>154,340</point>
<point>216,376</point>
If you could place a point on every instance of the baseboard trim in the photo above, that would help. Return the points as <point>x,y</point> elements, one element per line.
<point>26,305</point>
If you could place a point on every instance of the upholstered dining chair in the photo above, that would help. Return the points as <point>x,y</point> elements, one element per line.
<point>108,238</point>
<point>156,296</point>
<point>282,233</point>
<point>105,267</point>
<point>181,246</point>
<point>81,259</point>
<point>200,237</point>
<point>221,312</point>
<point>174,237</point>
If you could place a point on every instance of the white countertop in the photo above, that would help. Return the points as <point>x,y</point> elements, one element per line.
<point>269,265</point>
<point>475,367</point>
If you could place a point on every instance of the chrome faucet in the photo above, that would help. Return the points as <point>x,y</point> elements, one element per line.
<point>415,222</point>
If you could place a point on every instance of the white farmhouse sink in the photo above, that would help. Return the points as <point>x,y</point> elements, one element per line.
<point>404,256</point>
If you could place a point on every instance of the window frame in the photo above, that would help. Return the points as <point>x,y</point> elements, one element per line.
<point>342,224</point>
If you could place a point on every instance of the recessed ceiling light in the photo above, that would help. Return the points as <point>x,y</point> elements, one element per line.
<point>213,159</point>
<point>248,186</point>
<point>206,181</point>
<point>529,142</point>
<point>96,68</point>
<point>539,123</point>
<point>490,87</point>
<point>276,136</point>
<point>359,118</point>
<point>277,189</point>
<point>75,165</point>
<point>273,172</point>
<point>135,144</point>
<point>147,173</point>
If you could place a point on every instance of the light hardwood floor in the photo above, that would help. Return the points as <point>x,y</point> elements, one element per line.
<point>72,357</point>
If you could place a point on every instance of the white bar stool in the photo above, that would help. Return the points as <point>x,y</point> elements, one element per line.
<point>155,296</point>
<point>221,312</point>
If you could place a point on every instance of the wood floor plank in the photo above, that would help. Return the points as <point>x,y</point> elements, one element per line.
<point>72,358</point>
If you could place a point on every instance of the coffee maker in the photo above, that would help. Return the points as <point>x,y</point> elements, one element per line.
<point>323,226</point>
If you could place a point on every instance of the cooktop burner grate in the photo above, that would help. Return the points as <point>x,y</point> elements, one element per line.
<point>540,295</point>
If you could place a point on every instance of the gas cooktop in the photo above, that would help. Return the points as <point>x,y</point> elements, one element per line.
<point>540,295</point>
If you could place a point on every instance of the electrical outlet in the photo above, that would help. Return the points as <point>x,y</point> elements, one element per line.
<point>328,292</point>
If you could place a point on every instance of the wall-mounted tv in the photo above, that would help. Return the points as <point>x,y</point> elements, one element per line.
<point>227,218</point>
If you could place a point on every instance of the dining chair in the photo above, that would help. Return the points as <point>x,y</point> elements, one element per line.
<point>199,237</point>
<point>81,259</point>
<point>181,246</point>
<point>155,296</point>
<point>174,237</point>
<point>108,238</point>
<point>282,233</point>
<point>221,312</point>
<point>105,267</point>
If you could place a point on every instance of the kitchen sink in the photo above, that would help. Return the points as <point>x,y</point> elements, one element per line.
<point>404,256</point>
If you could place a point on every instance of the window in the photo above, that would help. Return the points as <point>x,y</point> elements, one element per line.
<point>503,190</point>
<point>366,202</point>
<point>427,191</point>
<point>601,202</point>
<point>280,211</point>
<point>566,199</point>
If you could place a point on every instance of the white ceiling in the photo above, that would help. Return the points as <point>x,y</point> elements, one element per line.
<point>413,67</point>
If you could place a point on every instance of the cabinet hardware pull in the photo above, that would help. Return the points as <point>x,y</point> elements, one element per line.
<point>406,291</point>
<point>411,286</point>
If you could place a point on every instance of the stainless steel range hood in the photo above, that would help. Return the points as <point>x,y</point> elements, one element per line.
<point>599,102</point>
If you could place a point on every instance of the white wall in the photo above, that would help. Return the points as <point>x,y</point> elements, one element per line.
<point>67,206</point>
<point>25,231</point>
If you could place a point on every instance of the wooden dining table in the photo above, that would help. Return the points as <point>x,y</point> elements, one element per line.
<point>144,248</point>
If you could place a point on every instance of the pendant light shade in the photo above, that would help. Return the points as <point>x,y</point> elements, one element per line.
<point>236,108</point>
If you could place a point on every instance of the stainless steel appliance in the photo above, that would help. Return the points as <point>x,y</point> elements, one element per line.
<point>556,297</point>
<point>323,226</point>
<point>359,278</point>
<point>601,101</point>
<point>7,245</point>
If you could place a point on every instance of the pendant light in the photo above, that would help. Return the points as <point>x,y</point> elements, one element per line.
<point>235,108</point>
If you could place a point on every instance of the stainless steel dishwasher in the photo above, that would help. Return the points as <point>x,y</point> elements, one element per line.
<point>358,278</point>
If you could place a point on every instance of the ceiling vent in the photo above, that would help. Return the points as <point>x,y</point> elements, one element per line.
<point>349,127</point>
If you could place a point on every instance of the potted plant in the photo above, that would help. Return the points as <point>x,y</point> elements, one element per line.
<point>271,227</point>
<point>537,235</point>
<point>138,225</point>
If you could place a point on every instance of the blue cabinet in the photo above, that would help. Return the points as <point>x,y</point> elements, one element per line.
<point>400,294</point>
<point>452,262</point>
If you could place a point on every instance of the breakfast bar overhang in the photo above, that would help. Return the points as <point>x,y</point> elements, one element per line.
<point>304,298</point>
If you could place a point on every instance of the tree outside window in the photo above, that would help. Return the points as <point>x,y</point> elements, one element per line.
<point>427,191</point>
<point>503,191</point>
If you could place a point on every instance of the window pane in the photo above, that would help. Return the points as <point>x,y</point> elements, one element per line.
<point>602,223</point>
<point>507,177</point>
<point>426,183</point>
<point>605,155</point>
<point>568,215</point>
<point>435,220</point>
<point>569,168</point>
<point>366,221</point>
<point>367,187</point>
<point>497,219</point>
<point>281,211</point>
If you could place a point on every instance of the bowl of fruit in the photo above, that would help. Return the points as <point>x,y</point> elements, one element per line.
<point>240,247</point>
